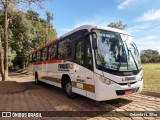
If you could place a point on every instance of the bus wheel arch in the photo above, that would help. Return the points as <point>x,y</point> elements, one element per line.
<point>67,84</point>
<point>63,80</point>
<point>36,78</point>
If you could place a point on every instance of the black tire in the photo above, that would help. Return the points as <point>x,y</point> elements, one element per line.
<point>68,90</point>
<point>37,82</point>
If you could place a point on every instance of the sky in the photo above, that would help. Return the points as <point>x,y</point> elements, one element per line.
<point>141,16</point>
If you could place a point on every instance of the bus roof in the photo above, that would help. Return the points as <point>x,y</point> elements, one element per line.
<point>88,27</point>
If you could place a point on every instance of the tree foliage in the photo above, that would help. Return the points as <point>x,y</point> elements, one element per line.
<point>9,6</point>
<point>149,55</point>
<point>27,31</point>
<point>49,16</point>
<point>119,25</point>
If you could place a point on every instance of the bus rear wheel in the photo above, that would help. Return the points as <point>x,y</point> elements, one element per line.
<point>68,90</point>
<point>36,79</point>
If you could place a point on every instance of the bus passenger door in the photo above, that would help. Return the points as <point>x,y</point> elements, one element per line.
<point>79,69</point>
<point>89,79</point>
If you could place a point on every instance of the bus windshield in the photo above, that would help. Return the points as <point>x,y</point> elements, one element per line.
<point>116,51</point>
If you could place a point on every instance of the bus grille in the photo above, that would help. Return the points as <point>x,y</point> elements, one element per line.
<point>126,83</point>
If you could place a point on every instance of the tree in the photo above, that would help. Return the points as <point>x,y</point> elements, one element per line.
<point>119,25</point>
<point>1,59</point>
<point>49,16</point>
<point>150,56</point>
<point>144,59</point>
<point>5,5</point>
<point>32,15</point>
<point>25,35</point>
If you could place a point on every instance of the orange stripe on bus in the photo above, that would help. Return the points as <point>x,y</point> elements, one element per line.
<point>48,62</point>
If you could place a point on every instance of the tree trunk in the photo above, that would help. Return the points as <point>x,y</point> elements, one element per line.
<point>1,61</point>
<point>24,64</point>
<point>6,40</point>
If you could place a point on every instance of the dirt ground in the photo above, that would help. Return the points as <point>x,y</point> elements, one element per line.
<point>45,97</point>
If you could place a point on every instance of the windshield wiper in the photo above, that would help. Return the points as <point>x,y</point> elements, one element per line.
<point>119,65</point>
<point>133,59</point>
<point>124,48</point>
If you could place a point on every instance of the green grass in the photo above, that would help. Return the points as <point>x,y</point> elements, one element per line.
<point>151,75</point>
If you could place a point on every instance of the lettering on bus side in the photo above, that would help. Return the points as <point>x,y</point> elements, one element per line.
<point>63,67</point>
<point>80,80</point>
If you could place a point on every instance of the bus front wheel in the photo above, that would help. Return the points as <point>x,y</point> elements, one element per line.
<point>68,90</point>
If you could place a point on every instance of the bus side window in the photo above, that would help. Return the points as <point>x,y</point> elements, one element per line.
<point>65,48</point>
<point>88,55</point>
<point>53,52</point>
<point>34,57</point>
<point>79,56</point>
<point>38,55</point>
<point>44,54</point>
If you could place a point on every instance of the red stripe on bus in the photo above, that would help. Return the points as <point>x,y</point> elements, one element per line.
<point>54,61</point>
<point>48,62</point>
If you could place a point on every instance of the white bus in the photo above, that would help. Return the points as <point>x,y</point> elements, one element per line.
<point>100,63</point>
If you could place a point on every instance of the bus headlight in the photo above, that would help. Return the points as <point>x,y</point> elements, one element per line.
<point>106,80</point>
<point>141,77</point>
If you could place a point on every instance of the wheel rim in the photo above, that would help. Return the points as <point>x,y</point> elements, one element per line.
<point>68,88</point>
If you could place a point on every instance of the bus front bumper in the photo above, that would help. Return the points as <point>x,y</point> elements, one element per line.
<point>114,91</point>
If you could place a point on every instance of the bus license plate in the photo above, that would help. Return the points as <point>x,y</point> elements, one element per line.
<point>128,92</point>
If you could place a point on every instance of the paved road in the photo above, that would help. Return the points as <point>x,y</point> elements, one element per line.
<point>49,98</point>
